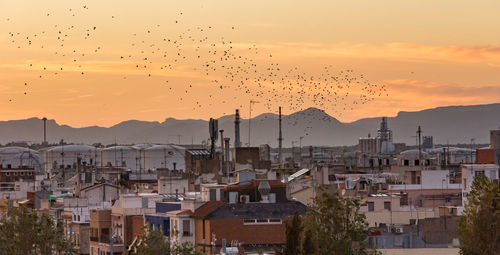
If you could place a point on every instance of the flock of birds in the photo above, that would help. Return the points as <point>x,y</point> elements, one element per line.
<point>228,68</point>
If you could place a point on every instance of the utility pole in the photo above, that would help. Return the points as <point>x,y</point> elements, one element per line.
<point>250,120</point>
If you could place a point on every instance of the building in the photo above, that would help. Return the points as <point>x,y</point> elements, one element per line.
<point>427,142</point>
<point>160,219</point>
<point>368,145</point>
<point>218,222</point>
<point>470,171</point>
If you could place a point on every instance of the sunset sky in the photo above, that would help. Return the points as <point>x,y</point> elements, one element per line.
<point>427,53</point>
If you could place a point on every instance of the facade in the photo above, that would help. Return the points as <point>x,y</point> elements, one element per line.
<point>470,171</point>
<point>256,227</point>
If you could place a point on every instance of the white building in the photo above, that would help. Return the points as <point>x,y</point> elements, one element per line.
<point>470,171</point>
<point>181,226</point>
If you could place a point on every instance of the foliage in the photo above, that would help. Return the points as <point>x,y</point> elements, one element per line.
<point>333,225</point>
<point>155,243</point>
<point>337,225</point>
<point>293,236</point>
<point>479,227</point>
<point>23,231</point>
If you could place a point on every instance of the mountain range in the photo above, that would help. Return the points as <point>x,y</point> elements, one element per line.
<point>451,124</point>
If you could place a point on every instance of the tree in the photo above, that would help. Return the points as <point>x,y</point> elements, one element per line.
<point>479,226</point>
<point>23,231</point>
<point>293,236</point>
<point>155,243</point>
<point>335,225</point>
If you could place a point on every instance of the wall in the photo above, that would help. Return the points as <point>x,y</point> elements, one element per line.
<point>170,186</point>
<point>95,195</point>
<point>485,156</point>
<point>439,230</point>
<point>399,217</point>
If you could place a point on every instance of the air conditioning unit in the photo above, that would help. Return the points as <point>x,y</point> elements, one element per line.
<point>244,199</point>
<point>398,229</point>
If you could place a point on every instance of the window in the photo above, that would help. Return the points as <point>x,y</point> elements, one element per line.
<point>213,194</point>
<point>221,191</point>
<point>186,228</point>
<point>261,221</point>
<point>477,173</point>
<point>30,173</point>
<point>371,206</point>
<point>387,206</point>
<point>417,162</point>
<point>406,162</point>
<point>248,221</point>
<point>21,173</point>
<point>15,173</point>
<point>7,173</point>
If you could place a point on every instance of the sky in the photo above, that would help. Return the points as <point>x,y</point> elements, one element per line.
<point>82,62</point>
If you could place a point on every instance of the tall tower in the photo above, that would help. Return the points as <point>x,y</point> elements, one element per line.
<point>44,130</point>
<point>280,138</point>
<point>237,142</point>
<point>222,151</point>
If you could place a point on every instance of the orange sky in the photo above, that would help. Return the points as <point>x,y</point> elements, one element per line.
<point>427,54</point>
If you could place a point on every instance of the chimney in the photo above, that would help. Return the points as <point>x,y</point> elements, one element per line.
<point>222,151</point>
<point>228,164</point>
<point>237,142</point>
<point>280,139</point>
<point>44,130</point>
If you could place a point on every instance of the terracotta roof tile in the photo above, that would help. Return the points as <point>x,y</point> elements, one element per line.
<point>207,208</point>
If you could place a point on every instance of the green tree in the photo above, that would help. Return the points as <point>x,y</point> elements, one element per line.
<point>293,236</point>
<point>335,225</point>
<point>479,226</point>
<point>308,243</point>
<point>24,232</point>
<point>155,243</point>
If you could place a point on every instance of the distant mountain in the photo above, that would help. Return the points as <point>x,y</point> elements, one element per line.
<point>452,124</point>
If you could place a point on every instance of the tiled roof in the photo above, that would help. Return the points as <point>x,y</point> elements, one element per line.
<point>255,184</point>
<point>257,210</point>
<point>207,208</point>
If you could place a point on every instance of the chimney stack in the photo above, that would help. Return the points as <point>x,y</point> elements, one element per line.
<point>237,142</point>
<point>44,130</point>
<point>228,164</point>
<point>280,139</point>
<point>222,151</point>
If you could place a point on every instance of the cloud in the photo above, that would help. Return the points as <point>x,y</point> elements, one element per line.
<point>407,52</point>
